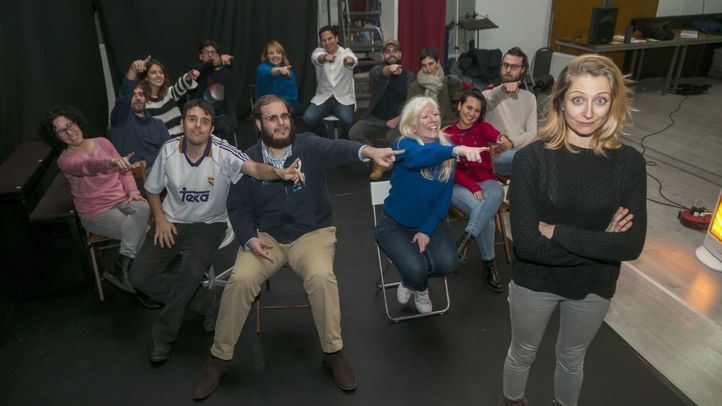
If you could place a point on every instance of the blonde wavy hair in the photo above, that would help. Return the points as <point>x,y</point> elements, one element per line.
<point>411,112</point>
<point>554,131</point>
<point>278,47</point>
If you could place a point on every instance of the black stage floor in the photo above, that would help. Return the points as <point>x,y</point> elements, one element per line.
<point>71,349</point>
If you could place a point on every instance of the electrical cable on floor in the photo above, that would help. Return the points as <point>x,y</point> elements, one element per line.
<point>671,202</point>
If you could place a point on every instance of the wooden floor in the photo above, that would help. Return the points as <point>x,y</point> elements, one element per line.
<point>668,306</point>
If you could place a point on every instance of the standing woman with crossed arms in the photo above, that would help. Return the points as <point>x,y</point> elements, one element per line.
<point>578,208</point>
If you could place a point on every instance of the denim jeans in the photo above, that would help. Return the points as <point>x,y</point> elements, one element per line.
<point>415,268</point>
<point>314,115</point>
<point>579,321</point>
<point>481,213</point>
<point>502,162</point>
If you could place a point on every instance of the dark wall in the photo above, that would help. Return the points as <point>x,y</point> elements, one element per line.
<point>49,56</point>
<point>50,50</point>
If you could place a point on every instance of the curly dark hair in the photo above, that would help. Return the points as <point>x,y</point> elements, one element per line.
<point>72,113</point>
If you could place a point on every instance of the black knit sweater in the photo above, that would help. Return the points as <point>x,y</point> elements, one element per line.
<point>578,193</point>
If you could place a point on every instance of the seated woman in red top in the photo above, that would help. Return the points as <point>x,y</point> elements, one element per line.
<point>104,191</point>
<point>476,191</point>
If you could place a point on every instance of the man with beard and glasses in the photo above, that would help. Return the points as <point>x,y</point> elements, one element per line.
<point>511,110</point>
<point>279,223</point>
<point>196,170</point>
<point>132,129</point>
<point>389,84</point>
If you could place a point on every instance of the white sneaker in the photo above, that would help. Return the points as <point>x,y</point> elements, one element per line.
<point>423,302</point>
<point>403,294</point>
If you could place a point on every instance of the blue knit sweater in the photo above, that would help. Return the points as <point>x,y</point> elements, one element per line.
<point>414,201</point>
<point>282,86</point>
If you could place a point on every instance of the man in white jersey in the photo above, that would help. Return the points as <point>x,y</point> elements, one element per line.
<point>511,110</point>
<point>196,170</point>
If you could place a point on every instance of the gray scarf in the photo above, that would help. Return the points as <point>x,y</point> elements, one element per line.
<point>432,84</point>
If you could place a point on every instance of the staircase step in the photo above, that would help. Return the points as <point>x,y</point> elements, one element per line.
<point>365,47</point>
<point>363,29</point>
<point>353,14</point>
<point>367,62</point>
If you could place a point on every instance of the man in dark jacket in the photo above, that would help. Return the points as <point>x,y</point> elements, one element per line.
<point>132,130</point>
<point>279,223</point>
<point>389,84</point>
<point>216,86</point>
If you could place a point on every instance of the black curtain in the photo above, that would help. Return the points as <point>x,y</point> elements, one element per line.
<point>171,31</point>
<point>50,56</point>
<point>50,51</point>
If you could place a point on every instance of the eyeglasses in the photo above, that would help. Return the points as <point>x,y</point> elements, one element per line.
<point>511,66</point>
<point>275,119</point>
<point>67,128</point>
<point>209,52</point>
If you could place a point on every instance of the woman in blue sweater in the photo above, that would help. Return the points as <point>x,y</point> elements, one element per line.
<point>275,75</point>
<point>412,232</point>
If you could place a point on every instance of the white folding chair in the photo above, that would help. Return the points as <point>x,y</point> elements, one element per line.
<point>379,192</point>
<point>212,279</point>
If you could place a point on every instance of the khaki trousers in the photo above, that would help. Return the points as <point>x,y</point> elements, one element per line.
<point>311,257</point>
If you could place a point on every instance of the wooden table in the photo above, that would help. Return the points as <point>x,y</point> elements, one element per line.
<point>638,48</point>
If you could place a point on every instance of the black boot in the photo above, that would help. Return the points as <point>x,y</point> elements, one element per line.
<point>462,247</point>
<point>493,281</point>
<point>119,275</point>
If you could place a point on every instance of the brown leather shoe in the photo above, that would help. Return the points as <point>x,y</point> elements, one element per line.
<point>341,369</point>
<point>209,377</point>
<point>377,171</point>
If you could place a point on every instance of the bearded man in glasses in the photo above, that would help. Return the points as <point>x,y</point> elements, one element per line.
<point>511,110</point>
<point>280,223</point>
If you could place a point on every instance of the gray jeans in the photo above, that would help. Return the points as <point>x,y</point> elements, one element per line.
<point>364,131</point>
<point>126,221</point>
<point>579,322</point>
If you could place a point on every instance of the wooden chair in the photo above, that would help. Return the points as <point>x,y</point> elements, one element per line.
<point>97,243</point>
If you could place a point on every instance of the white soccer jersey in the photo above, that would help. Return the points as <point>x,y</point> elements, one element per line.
<point>196,190</point>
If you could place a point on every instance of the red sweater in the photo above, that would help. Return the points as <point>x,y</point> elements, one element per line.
<point>468,174</point>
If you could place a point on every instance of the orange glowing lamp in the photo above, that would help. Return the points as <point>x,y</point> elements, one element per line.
<point>710,252</point>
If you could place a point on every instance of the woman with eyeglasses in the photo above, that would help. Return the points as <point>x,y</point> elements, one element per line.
<point>275,75</point>
<point>412,231</point>
<point>104,192</point>
<point>162,98</point>
<point>476,191</point>
<point>577,204</point>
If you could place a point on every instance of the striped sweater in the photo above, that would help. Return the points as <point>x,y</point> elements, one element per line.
<point>166,109</point>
